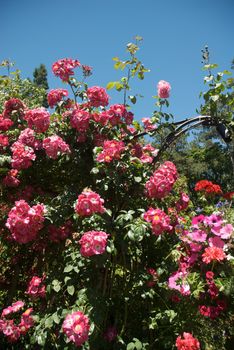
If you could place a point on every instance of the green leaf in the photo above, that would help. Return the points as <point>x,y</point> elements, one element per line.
<point>130,346</point>
<point>71,290</point>
<point>55,317</point>
<point>56,285</point>
<point>68,268</point>
<point>132,99</point>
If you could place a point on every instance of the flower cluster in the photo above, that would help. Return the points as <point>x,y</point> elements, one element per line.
<point>88,203</point>
<point>38,119</point>
<point>111,150</point>
<point>148,124</point>
<point>8,327</point>
<point>10,179</point>
<point>64,68</point>
<point>183,202</point>
<point>159,220</point>
<point>93,243</point>
<point>12,106</point>
<point>54,146</point>
<point>76,327</point>
<point>4,141</point>
<point>55,96</point>
<point>164,89</point>
<point>177,281</point>
<point>22,156</point>
<point>97,96</point>
<point>24,221</point>
<point>5,123</point>
<point>188,342</point>
<point>162,181</point>
<point>207,187</point>
<point>80,119</point>
<point>27,138</point>
<point>36,288</point>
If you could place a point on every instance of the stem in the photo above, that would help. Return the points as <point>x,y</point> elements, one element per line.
<point>71,86</point>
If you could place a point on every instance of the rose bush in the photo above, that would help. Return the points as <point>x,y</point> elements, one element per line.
<point>107,247</point>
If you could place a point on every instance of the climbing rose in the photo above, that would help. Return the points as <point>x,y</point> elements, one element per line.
<point>88,203</point>
<point>10,179</point>
<point>54,145</point>
<point>5,123</point>
<point>97,96</point>
<point>24,221</point>
<point>3,141</point>
<point>188,343</point>
<point>76,327</point>
<point>162,181</point>
<point>64,68</point>
<point>159,220</point>
<point>80,120</point>
<point>36,288</point>
<point>183,202</point>
<point>213,254</point>
<point>93,243</point>
<point>13,105</point>
<point>164,89</point>
<point>22,156</point>
<point>111,150</point>
<point>38,119</point>
<point>55,96</point>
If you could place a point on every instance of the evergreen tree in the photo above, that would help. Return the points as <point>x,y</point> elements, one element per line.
<point>40,80</point>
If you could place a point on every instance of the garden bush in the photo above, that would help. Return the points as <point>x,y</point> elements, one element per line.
<point>103,245</point>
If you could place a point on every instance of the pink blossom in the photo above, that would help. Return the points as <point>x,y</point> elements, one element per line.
<point>36,288</point>
<point>164,89</point>
<point>24,221</point>
<point>88,203</point>
<point>26,321</point>
<point>76,327</point>
<point>22,156</point>
<point>148,124</point>
<point>54,146</point>
<point>80,119</point>
<point>159,220</point>
<point>111,150</point>
<point>13,105</point>
<point>162,181</point>
<point>64,68</point>
<point>213,220</point>
<point>226,231</point>
<point>198,235</point>
<point>97,96</point>
<point>188,342</point>
<point>38,119</point>
<point>4,141</point>
<point>183,202</point>
<point>56,95</point>
<point>5,123</point>
<point>178,282</point>
<point>10,180</point>
<point>197,221</point>
<point>93,243</point>
<point>216,242</point>
<point>27,137</point>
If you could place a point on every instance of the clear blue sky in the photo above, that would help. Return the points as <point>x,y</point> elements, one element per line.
<point>94,31</point>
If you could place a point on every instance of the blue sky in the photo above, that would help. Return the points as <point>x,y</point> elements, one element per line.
<point>174,32</point>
